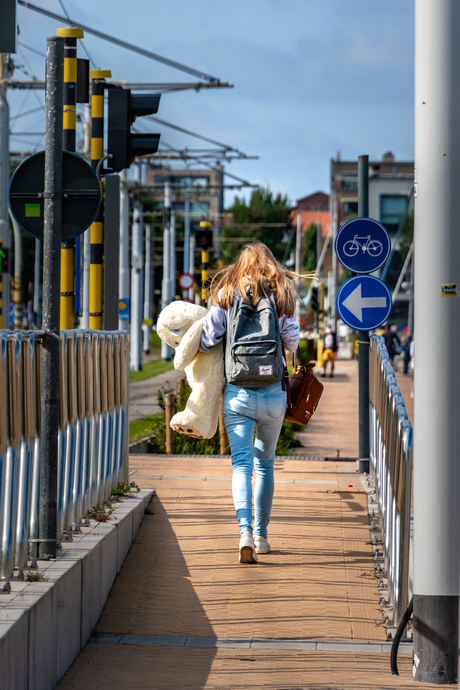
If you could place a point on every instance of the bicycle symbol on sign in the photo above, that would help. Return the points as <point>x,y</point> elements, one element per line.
<point>372,247</point>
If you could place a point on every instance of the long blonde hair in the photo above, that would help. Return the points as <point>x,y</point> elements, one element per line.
<point>257,268</point>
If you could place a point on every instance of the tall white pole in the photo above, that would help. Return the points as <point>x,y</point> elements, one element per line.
<point>136,276</point>
<point>192,263</point>
<point>172,258</point>
<point>4,181</point>
<point>437,315</point>
<point>186,238</point>
<point>124,274</point>
<point>146,327</point>
<point>298,244</point>
<point>84,320</point>
<point>166,351</point>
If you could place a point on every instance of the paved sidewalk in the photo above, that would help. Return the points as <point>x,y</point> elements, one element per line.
<point>143,394</point>
<point>183,613</point>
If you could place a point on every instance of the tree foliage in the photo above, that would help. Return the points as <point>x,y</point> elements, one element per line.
<point>256,221</point>
<point>310,259</point>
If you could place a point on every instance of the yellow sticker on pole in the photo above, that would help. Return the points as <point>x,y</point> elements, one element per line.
<point>449,290</point>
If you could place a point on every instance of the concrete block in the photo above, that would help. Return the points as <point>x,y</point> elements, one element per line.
<point>138,515</point>
<point>68,616</point>
<point>91,603</point>
<point>43,639</point>
<point>109,562</point>
<point>125,537</point>
<point>14,636</point>
<point>231,642</point>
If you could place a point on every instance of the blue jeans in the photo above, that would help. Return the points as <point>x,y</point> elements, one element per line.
<point>243,409</point>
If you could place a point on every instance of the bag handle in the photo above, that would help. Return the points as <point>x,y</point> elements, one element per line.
<point>303,366</point>
<point>288,389</point>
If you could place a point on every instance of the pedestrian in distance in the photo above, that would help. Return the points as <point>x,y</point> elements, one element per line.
<point>329,350</point>
<point>406,356</point>
<point>391,341</point>
<point>253,311</point>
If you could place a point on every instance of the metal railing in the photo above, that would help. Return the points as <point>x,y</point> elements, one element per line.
<point>391,464</point>
<point>93,438</point>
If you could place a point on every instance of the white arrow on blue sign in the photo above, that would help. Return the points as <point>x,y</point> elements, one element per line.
<point>364,303</point>
<point>362,245</point>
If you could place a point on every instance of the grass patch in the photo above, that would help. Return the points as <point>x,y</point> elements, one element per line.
<point>141,428</point>
<point>150,369</point>
<point>34,576</point>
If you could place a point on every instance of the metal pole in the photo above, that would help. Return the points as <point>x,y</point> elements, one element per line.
<point>70,36</point>
<point>172,260</point>
<point>186,239</point>
<point>166,351</point>
<point>298,244</point>
<point>84,321</point>
<point>37,283</point>
<point>51,297</point>
<point>146,326</point>
<point>4,181</point>
<point>437,311</point>
<point>192,263</point>
<point>363,336</point>
<point>124,246</point>
<point>17,275</point>
<point>136,289</point>
<point>333,231</point>
<point>98,77</point>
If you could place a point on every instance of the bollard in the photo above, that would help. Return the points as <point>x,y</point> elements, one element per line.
<point>181,386</point>
<point>169,413</point>
<point>223,438</point>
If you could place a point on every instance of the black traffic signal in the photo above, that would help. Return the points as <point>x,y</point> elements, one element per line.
<point>122,144</point>
<point>3,260</point>
<point>314,303</point>
<point>203,238</point>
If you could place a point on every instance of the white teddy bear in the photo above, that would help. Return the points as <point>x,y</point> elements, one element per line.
<point>180,325</point>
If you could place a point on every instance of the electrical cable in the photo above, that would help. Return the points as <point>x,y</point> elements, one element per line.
<point>395,646</point>
<point>123,44</point>
<point>194,134</point>
<point>81,42</point>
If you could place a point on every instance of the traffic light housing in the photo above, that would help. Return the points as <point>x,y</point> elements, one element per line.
<point>203,236</point>
<point>314,301</point>
<point>3,260</point>
<point>123,145</point>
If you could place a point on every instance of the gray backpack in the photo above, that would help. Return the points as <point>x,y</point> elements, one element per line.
<point>253,353</point>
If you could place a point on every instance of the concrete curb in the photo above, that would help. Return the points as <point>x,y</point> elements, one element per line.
<point>44,628</point>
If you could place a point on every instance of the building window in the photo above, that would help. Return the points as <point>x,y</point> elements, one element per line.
<point>391,211</point>
<point>200,182</point>
<point>350,208</point>
<point>312,207</point>
<point>202,208</point>
<point>350,184</point>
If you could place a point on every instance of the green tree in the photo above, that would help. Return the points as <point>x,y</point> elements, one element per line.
<point>267,217</point>
<point>310,259</point>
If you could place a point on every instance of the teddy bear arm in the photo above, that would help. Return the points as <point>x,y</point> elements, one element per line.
<point>188,346</point>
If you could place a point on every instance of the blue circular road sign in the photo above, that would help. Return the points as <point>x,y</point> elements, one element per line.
<point>364,303</point>
<point>362,245</point>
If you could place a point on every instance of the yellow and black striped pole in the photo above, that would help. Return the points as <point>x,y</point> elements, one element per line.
<point>69,144</point>
<point>204,266</point>
<point>97,77</point>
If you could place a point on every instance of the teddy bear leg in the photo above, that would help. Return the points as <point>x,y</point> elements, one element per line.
<point>200,416</point>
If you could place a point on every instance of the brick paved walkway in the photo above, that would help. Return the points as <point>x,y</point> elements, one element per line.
<point>183,613</point>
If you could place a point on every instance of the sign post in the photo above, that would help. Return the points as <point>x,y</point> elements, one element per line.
<point>363,302</point>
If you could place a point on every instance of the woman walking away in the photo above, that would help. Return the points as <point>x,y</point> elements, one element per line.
<point>253,310</point>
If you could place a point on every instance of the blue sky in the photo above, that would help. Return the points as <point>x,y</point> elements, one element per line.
<point>311,77</point>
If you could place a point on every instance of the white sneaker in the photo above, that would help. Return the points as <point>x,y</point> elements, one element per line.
<point>247,548</point>
<point>262,545</point>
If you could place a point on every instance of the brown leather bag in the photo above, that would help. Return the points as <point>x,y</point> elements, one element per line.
<point>303,393</point>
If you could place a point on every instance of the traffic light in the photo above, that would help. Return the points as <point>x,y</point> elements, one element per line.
<point>203,236</point>
<point>314,303</point>
<point>4,260</point>
<point>122,144</point>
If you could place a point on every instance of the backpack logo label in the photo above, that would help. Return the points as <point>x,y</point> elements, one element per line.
<point>266,370</point>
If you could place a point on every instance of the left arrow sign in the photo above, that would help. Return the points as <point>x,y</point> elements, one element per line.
<point>355,303</point>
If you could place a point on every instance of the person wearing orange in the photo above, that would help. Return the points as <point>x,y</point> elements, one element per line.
<point>329,350</point>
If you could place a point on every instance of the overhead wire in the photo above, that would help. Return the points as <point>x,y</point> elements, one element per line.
<point>81,42</point>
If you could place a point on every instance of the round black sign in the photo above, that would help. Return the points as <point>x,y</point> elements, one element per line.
<point>81,195</point>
